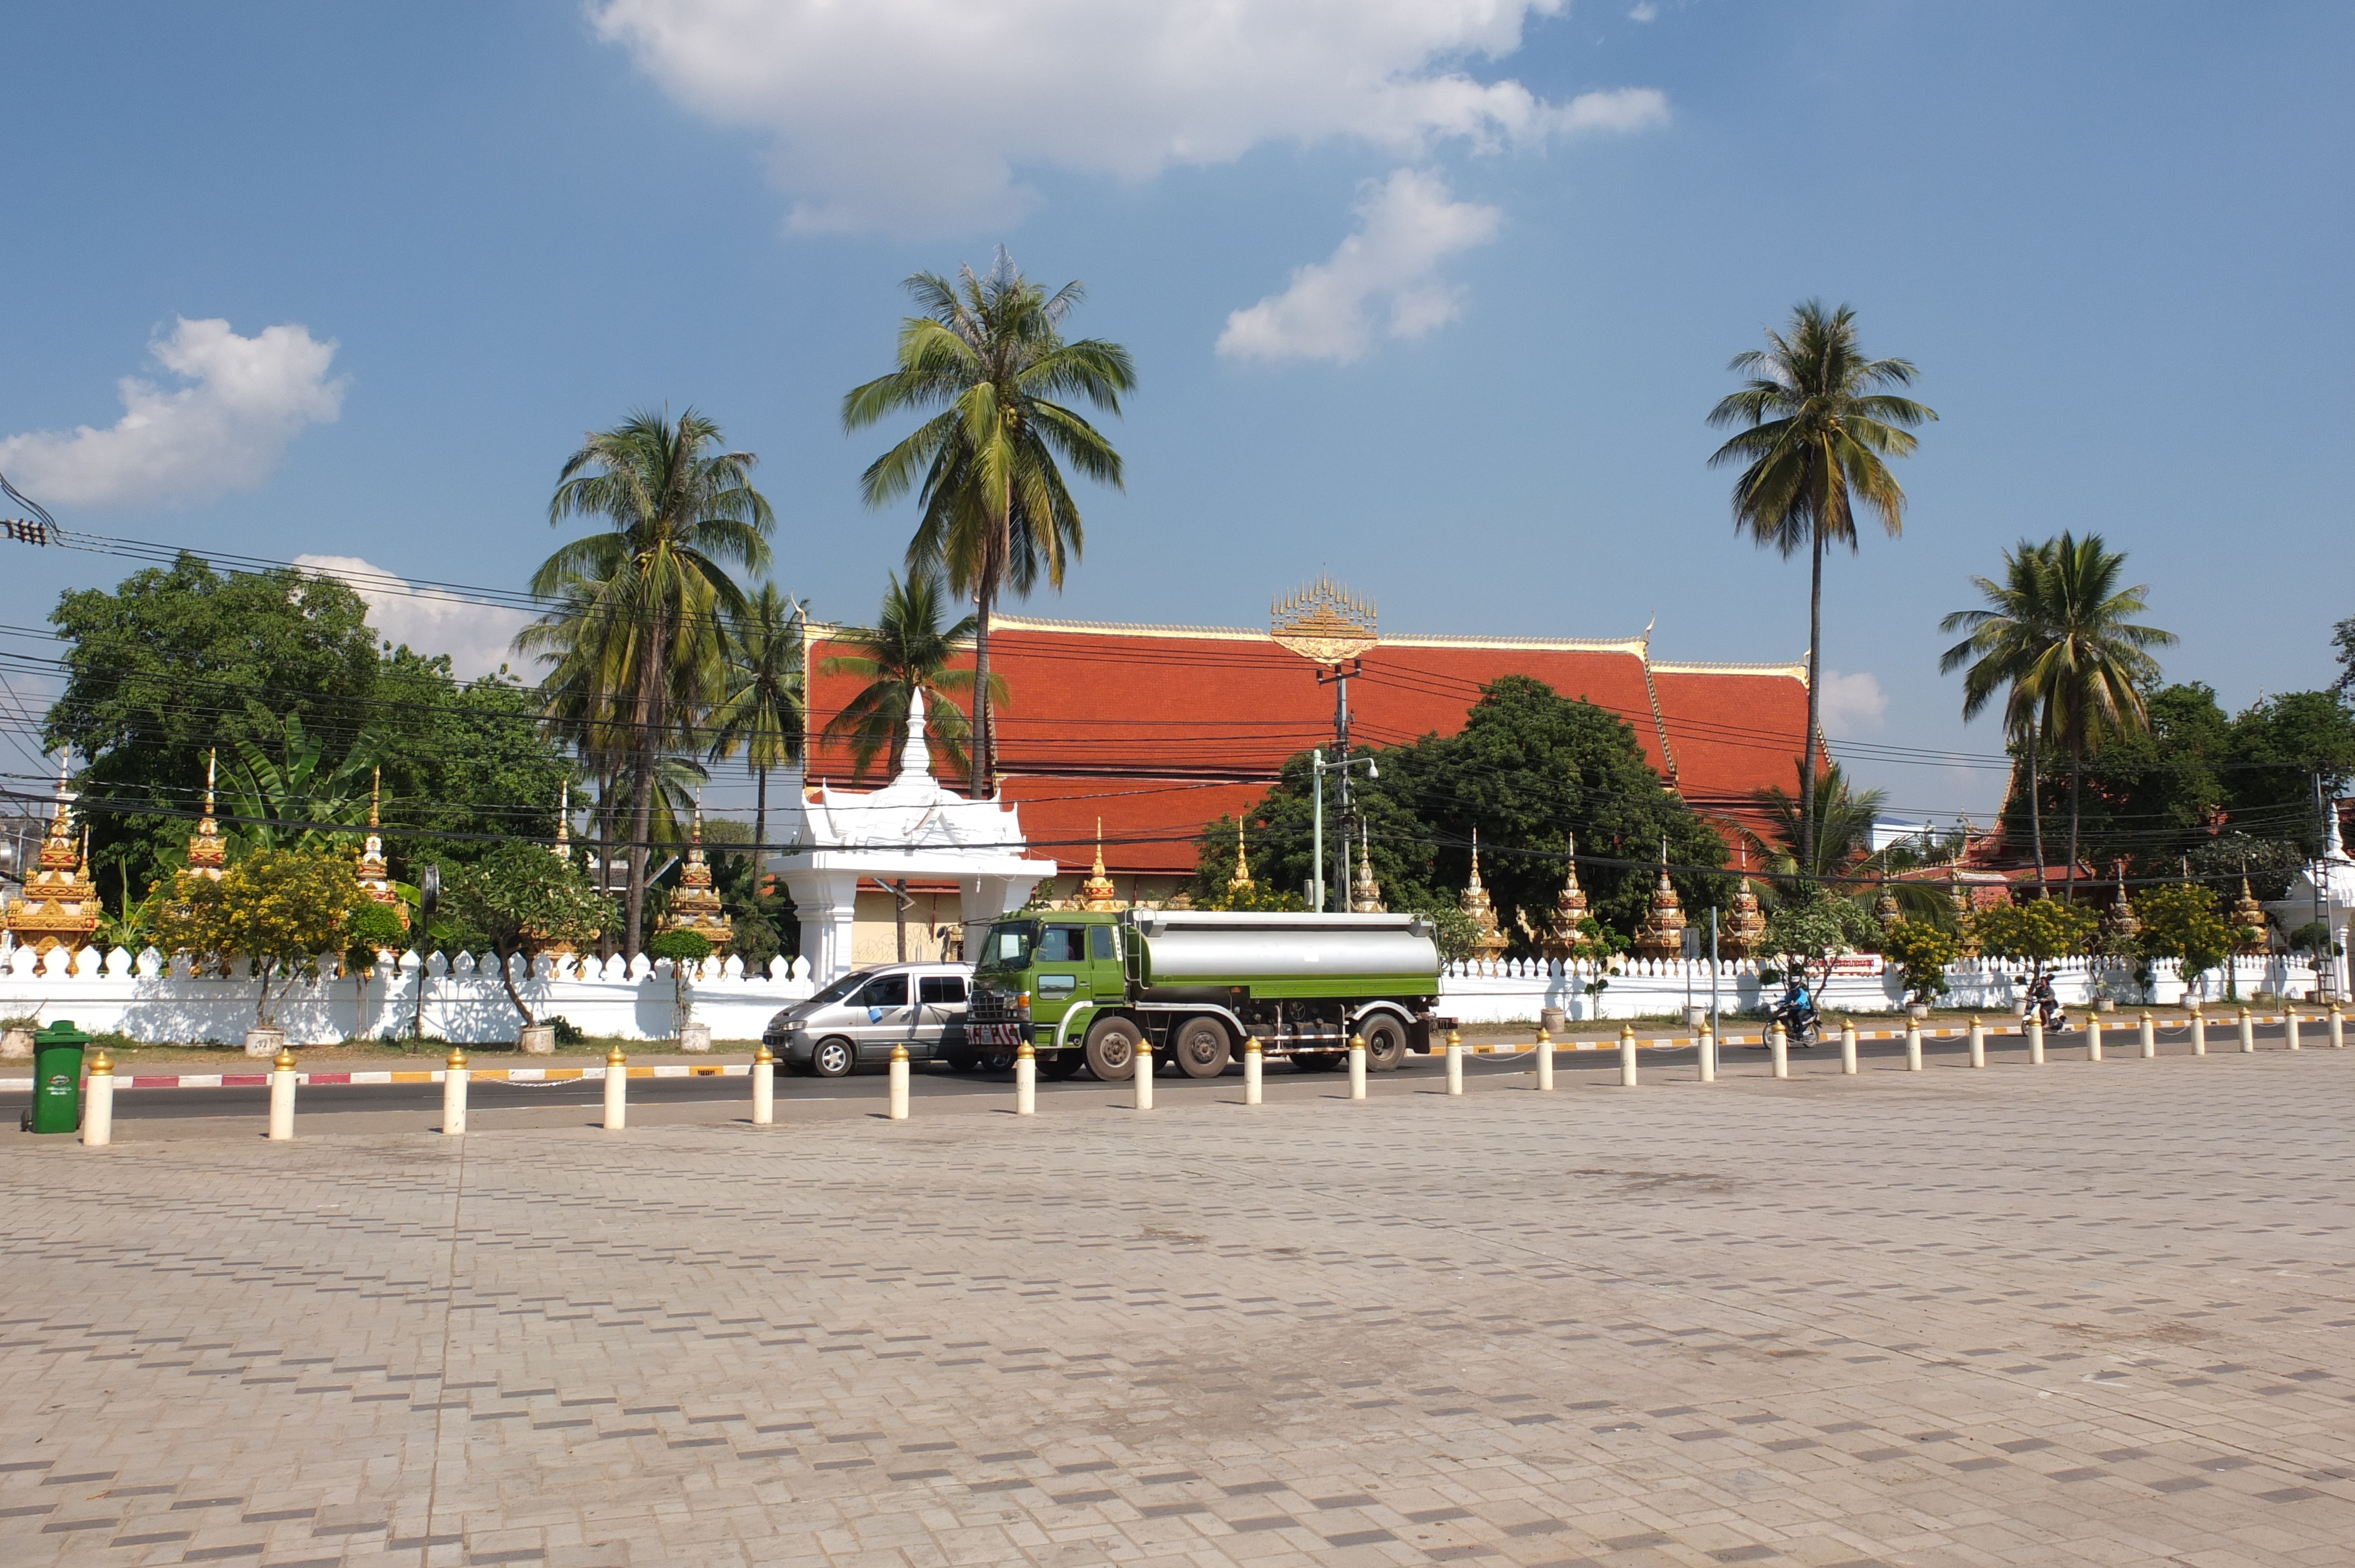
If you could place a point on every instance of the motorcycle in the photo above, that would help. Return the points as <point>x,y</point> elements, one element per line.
<point>1802,1025</point>
<point>2041,1001</point>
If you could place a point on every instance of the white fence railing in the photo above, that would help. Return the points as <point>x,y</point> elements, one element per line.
<point>146,999</point>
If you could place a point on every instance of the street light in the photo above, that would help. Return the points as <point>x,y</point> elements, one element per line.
<point>1318,768</point>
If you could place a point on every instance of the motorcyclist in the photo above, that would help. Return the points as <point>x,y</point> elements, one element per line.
<point>1797,1011</point>
<point>2041,1001</point>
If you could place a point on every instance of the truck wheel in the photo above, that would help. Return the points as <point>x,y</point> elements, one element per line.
<point>963,1061</point>
<point>1385,1044</point>
<point>1318,1061</point>
<point>1111,1050</point>
<point>1200,1046</point>
<point>1056,1065</point>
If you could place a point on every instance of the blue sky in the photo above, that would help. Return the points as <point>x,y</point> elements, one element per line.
<point>2113,238</point>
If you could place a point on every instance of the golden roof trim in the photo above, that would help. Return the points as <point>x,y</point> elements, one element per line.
<point>1696,667</point>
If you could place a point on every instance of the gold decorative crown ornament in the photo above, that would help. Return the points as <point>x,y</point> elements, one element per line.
<point>1325,624</point>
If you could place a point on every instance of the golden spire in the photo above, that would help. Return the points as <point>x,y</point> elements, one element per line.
<point>1663,936</point>
<point>211,757</point>
<point>206,854</point>
<point>1567,937</point>
<point>376,797</point>
<point>695,903</point>
<point>1098,892</point>
<point>59,908</point>
<point>1241,881</point>
<point>1489,943</point>
<point>563,850</point>
<point>1365,892</point>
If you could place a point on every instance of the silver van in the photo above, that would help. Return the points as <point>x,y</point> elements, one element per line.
<point>856,1020</point>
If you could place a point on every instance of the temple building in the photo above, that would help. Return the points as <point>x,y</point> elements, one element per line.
<point>375,872</point>
<point>1161,730</point>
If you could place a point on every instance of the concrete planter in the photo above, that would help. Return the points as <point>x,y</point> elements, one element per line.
<point>16,1045</point>
<point>1917,1010</point>
<point>695,1038</point>
<point>264,1043</point>
<point>537,1040</point>
<point>1555,1020</point>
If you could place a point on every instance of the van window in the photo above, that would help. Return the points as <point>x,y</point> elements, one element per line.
<point>1100,942</point>
<point>884,990</point>
<point>1062,945</point>
<point>932,990</point>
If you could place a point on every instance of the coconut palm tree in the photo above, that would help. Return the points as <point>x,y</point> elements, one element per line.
<point>760,707</point>
<point>1809,840</point>
<point>680,512</point>
<point>989,354</point>
<point>1815,432</point>
<point>2057,632</point>
<point>2001,655</point>
<point>904,653</point>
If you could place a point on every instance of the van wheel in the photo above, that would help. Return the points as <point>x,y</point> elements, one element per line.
<point>834,1058</point>
<point>1111,1050</point>
<point>1201,1048</point>
<point>1385,1040</point>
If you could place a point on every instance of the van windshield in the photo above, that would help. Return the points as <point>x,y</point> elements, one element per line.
<point>1008,945</point>
<point>840,988</point>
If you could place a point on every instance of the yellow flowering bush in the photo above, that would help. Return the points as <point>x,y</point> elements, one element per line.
<point>280,907</point>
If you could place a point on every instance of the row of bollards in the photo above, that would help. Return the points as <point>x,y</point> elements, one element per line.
<point>98,1116</point>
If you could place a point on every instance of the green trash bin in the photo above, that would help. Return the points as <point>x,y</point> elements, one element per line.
<point>57,1078</point>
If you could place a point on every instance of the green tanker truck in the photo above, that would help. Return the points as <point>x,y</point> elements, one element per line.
<point>1089,987</point>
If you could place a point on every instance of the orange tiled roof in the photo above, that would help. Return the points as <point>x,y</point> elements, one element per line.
<point>1161,729</point>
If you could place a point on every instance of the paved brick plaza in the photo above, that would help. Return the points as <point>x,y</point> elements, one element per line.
<point>2086,1315</point>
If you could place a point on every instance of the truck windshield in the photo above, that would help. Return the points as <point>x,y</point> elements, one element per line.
<point>1008,945</point>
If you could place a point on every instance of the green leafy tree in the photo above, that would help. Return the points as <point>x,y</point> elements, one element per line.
<point>905,653</point>
<point>2039,930</point>
<point>986,358</point>
<point>1814,927</point>
<point>758,711</point>
<point>2342,644</point>
<point>679,514</point>
<point>2181,921</point>
<point>2290,753</point>
<point>1816,436</point>
<point>2057,634</point>
<point>1921,951</point>
<point>522,899</point>
<point>685,949</point>
<point>282,908</point>
<point>375,928</point>
<point>276,805</point>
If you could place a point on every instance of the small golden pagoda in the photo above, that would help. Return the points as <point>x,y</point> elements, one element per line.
<point>2121,925</point>
<point>59,909</point>
<point>1663,936</point>
<point>695,903</point>
<point>1098,892</point>
<point>2249,915</point>
<point>561,850</point>
<point>1489,944</point>
<point>1365,892</point>
<point>1886,914</point>
<point>376,876</point>
<point>1565,935</point>
<point>1745,932</point>
<point>1241,881</point>
<point>207,850</point>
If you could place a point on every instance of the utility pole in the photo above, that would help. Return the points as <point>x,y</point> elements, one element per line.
<point>1338,675</point>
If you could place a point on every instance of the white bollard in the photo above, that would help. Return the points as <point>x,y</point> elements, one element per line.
<point>2093,1036</point>
<point>2289,1025</point>
<point>1255,1065</point>
<point>1706,1054</point>
<point>1912,1044</point>
<point>98,1103</point>
<point>1357,1066</point>
<point>1978,1042</point>
<point>454,1078</point>
<point>1778,1048</point>
<point>900,1082</point>
<point>764,1086</point>
<point>2149,1036</point>
<point>2338,1029</point>
<point>2198,1031</point>
<point>1455,1063</point>
<point>1141,1070</point>
<point>617,1090</point>
<point>1626,1056</point>
<point>1026,1080</point>
<point>281,1096</point>
<point>1848,1046</point>
<point>2035,1031</point>
<point>1545,1058</point>
<point>2248,1034</point>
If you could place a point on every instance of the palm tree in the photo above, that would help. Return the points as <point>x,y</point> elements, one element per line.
<point>1812,839</point>
<point>2058,633</point>
<point>760,707</point>
<point>1815,438</point>
<point>2001,654</point>
<point>905,654</point>
<point>680,512</point>
<point>990,355</point>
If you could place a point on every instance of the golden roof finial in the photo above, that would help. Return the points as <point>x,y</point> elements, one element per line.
<point>376,795</point>
<point>563,850</point>
<point>1098,892</point>
<point>1241,880</point>
<point>211,757</point>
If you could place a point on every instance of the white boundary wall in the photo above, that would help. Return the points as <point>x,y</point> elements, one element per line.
<point>464,1001</point>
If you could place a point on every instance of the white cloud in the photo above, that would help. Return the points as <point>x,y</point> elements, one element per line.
<point>246,400</point>
<point>1852,702</point>
<point>1644,12</point>
<point>1407,225</point>
<point>913,115</point>
<point>477,637</point>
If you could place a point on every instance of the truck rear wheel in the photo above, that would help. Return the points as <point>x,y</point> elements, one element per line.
<point>1201,1048</point>
<point>1111,1050</point>
<point>1385,1040</point>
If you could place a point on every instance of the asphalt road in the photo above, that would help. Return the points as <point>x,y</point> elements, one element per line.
<point>586,1095</point>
